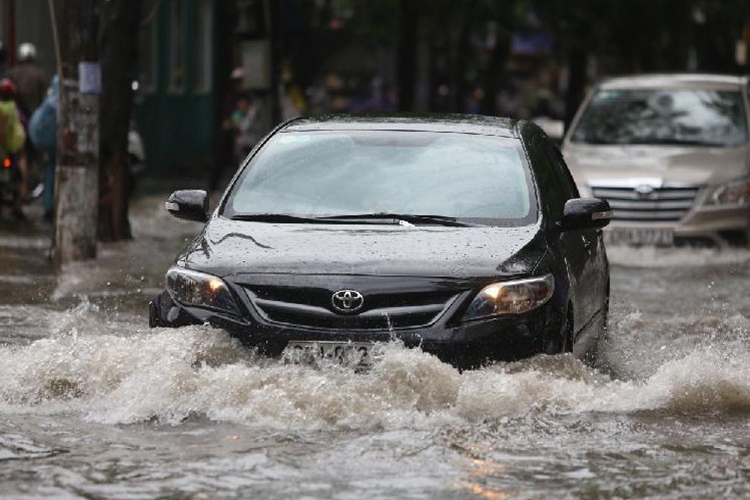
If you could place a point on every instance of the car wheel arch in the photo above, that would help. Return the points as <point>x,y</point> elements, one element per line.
<point>562,342</point>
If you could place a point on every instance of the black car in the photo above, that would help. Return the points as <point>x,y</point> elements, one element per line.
<point>460,235</point>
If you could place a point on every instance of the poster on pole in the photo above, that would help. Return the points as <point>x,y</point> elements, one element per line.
<point>90,78</point>
<point>256,64</point>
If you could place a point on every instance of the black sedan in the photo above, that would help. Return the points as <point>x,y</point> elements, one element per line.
<point>461,235</point>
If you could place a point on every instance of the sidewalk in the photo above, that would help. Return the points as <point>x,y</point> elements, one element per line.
<point>26,272</point>
<point>123,277</point>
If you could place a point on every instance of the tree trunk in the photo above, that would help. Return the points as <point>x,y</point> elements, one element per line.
<point>273,27</point>
<point>461,52</point>
<point>119,54</point>
<point>78,129</point>
<point>577,61</point>
<point>492,73</point>
<point>407,54</point>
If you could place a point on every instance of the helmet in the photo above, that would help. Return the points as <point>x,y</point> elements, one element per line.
<point>26,52</point>
<point>7,88</point>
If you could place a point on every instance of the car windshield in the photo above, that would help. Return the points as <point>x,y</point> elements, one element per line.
<point>330,174</point>
<point>664,117</point>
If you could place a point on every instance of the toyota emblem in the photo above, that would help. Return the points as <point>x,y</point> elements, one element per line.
<point>644,190</point>
<point>347,301</point>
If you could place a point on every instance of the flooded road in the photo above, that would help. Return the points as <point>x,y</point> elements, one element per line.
<point>94,404</point>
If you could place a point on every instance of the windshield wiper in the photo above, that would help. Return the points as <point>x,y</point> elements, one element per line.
<point>652,142</point>
<point>281,218</point>
<point>394,218</point>
<point>397,218</point>
<point>676,142</point>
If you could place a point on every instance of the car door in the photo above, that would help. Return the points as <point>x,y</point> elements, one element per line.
<point>583,251</point>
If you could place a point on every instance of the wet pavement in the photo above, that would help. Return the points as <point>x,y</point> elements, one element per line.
<point>94,404</point>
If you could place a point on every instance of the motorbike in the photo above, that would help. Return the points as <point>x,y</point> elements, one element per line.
<point>9,178</point>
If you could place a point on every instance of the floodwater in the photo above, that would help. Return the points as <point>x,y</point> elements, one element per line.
<point>94,404</point>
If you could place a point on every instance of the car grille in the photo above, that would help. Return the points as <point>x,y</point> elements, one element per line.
<point>652,204</point>
<point>381,311</point>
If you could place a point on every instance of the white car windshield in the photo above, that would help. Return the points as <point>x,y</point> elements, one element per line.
<point>474,178</point>
<point>663,117</point>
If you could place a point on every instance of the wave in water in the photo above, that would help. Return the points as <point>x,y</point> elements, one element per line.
<point>117,373</point>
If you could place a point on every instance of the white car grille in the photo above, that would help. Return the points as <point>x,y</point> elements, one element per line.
<point>646,203</point>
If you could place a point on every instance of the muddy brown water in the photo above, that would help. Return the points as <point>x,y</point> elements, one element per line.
<point>94,404</point>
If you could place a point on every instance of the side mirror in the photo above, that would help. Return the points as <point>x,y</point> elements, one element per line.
<point>585,213</point>
<point>188,204</point>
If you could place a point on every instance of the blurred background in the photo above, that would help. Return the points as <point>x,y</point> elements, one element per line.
<point>519,58</point>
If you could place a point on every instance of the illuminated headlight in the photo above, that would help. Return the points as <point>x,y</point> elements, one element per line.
<point>511,297</point>
<point>200,289</point>
<point>732,193</point>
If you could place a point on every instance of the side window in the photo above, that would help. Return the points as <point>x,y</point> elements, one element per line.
<point>565,180</point>
<point>554,192</point>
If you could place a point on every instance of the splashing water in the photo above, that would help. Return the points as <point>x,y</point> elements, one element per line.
<point>139,375</point>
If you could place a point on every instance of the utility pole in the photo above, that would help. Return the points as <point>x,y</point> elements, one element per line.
<point>77,170</point>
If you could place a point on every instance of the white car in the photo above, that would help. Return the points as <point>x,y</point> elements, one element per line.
<point>671,155</point>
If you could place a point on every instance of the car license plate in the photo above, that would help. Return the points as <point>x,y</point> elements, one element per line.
<point>639,236</point>
<point>358,354</point>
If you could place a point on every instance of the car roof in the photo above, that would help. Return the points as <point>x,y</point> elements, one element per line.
<point>676,80</point>
<point>467,124</point>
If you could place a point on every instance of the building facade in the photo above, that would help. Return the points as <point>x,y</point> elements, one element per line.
<point>179,72</point>
<point>176,97</point>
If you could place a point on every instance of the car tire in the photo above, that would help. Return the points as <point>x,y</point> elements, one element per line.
<point>563,342</point>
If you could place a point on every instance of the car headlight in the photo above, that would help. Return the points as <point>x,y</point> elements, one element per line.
<point>199,289</point>
<point>511,297</point>
<point>732,193</point>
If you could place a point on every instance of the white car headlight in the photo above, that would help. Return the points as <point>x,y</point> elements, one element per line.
<point>732,193</point>
<point>511,297</point>
<point>199,289</point>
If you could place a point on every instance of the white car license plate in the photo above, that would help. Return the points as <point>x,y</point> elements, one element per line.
<point>639,236</point>
<point>359,354</point>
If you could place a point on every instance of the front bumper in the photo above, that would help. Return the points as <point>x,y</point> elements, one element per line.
<point>721,225</point>
<point>463,344</point>
<point>707,225</point>
<point>682,210</point>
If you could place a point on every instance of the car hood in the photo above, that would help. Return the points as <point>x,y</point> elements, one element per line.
<point>664,164</point>
<point>237,247</point>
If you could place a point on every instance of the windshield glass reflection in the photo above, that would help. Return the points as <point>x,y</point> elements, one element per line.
<point>664,117</point>
<point>339,173</point>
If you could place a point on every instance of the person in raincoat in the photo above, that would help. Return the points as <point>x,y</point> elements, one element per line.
<point>30,77</point>
<point>43,135</point>
<point>12,142</point>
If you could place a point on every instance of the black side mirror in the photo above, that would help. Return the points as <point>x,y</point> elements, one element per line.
<point>585,213</point>
<point>188,204</point>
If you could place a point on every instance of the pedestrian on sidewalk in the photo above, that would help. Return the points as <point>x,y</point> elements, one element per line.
<point>248,120</point>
